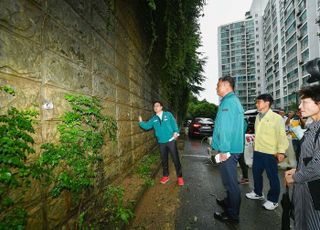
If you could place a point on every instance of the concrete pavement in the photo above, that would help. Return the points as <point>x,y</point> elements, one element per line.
<point>203,185</point>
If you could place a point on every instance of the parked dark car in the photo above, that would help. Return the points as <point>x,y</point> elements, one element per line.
<point>201,126</point>
<point>250,117</point>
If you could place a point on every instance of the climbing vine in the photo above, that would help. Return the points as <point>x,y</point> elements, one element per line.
<point>16,142</point>
<point>70,164</point>
<point>174,37</point>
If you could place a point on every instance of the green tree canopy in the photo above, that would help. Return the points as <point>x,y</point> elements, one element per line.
<point>201,109</point>
<point>174,35</point>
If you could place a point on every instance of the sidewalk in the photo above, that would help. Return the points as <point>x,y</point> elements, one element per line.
<point>203,185</point>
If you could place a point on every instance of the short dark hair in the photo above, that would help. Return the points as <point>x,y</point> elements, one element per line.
<point>154,102</point>
<point>312,92</point>
<point>265,97</point>
<point>228,79</point>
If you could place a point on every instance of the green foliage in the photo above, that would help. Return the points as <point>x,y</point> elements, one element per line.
<point>293,106</point>
<point>16,128</point>
<point>201,109</point>
<point>174,35</point>
<point>152,4</point>
<point>114,206</point>
<point>15,218</point>
<point>144,169</point>
<point>7,89</point>
<point>70,164</point>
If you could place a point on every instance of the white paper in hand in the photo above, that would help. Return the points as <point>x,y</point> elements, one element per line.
<point>217,157</point>
<point>172,138</point>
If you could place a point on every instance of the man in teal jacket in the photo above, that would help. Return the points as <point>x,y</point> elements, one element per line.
<point>166,132</point>
<point>228,141</point>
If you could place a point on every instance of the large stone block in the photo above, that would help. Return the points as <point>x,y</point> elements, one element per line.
<point>136,102</point>
<point>59,40</point>
<point>49,131</point>
<point>82,8</point>
<point>136,140</point>
<point>111,170</point>
<point>103,88</point>
<point>137,63</point>
<point>62,73</point>
<point>123,96</point>
<point>124,128</point>
<point>16,57</point>
<point>104,23</point>
<point>104,49</point>
<point>124,146</point>
<point>56,97</point>
<point>20,17</point>
<point>109,108</point>
<point>103,68</point>
<point>135,127</point>
<point>122,80</point>
<point>27,93</point>
<point>109,151</point>
<point>121,43</point>
<point>121,63</point>
<point>133,85</point>
<point>126,162</point>
<point>123,112</point>
<point>57,209</point>
<point>64,14</point>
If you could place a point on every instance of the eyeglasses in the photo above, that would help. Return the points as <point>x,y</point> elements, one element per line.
<point>303,102</point>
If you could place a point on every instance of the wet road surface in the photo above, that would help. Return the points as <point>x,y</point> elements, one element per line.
<point>203,185</point>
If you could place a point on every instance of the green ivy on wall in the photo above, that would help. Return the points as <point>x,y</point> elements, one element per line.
<point>16,128</point>
<point>174,36</point>
<point>70,164</point>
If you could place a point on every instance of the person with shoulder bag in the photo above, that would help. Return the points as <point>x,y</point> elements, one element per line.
<point>306,177</point>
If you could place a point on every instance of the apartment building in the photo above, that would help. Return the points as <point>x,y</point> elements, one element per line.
<point>285,36</point>
<point>273,62</point>
<point>299,44</point>
<point>237,58</point>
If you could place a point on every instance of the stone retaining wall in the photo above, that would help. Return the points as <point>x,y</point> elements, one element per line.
<point>49,48</point>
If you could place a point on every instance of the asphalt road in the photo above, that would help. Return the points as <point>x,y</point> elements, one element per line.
<point>203,184</point>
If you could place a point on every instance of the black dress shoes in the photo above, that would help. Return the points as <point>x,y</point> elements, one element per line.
<point>223,217</point>
<point>222,203</point>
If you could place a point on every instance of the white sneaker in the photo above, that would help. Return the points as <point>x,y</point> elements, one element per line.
<point>253,196</point>
<point>270,205</point>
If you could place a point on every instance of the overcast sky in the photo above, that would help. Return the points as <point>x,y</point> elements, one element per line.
<point>216,13</point>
